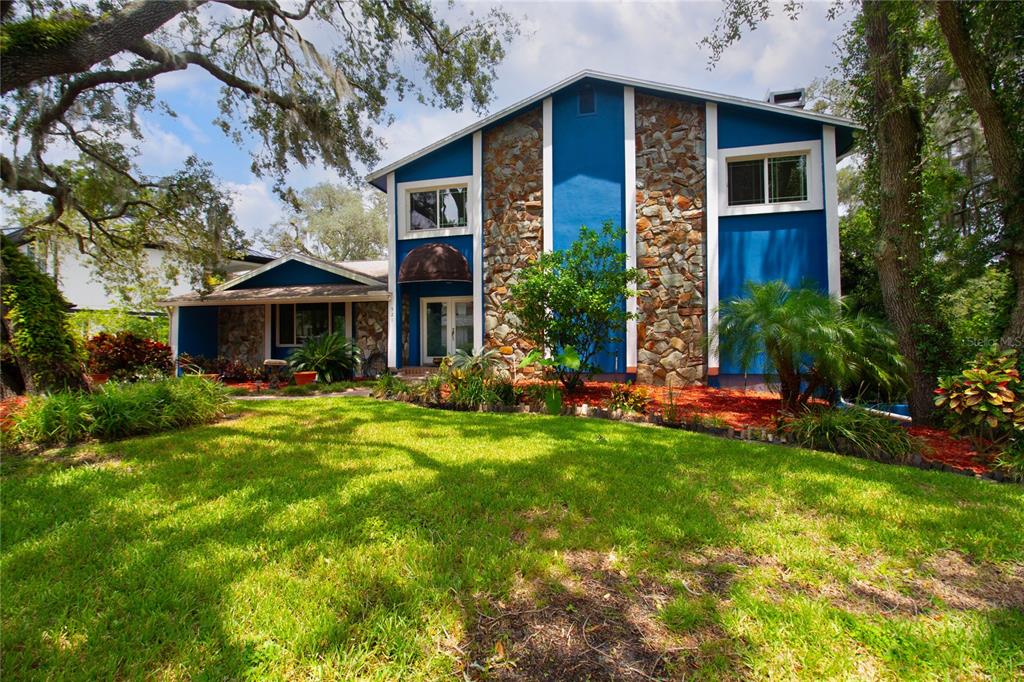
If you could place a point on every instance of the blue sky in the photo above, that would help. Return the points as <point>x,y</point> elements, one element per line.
<point>653,40</point>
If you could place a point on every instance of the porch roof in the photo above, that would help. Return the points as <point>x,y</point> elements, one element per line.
<point>305,293</point>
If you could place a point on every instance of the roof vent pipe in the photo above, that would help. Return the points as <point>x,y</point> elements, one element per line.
<point>788,98</point>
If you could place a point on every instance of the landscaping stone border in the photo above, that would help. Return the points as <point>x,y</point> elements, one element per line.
<point>750,433</point>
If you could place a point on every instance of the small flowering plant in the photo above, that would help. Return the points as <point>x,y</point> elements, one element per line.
<point>986,400</point>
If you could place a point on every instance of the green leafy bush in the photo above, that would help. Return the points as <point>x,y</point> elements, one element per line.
<point>486,362</point>
<point>572,298</point>
<point>332,356</point>
<point>628,398</point>
<point>118,410</point>
<point>389,386</point>
<point>1011,460</point>
<point>548,395</point>
<point>851,431</point>
<point>36,318</point>
<point>986,400</point>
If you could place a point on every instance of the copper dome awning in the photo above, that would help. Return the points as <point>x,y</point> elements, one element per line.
<point>434,263</point>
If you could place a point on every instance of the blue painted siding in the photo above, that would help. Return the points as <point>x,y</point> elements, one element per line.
<point>588,176</point>
<point>463,243</point>
<point>293,273</point>
<point>743,127</point>
<point>759,248</point>
<point>197,330</point>
<point>413,293</point>
<point>453,159</point>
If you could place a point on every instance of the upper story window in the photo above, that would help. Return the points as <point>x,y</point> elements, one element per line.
<point>433,208</point>
<point>784,176</point>
<point>439,208</point>
<point>587,101</point>
<point>770,178</point>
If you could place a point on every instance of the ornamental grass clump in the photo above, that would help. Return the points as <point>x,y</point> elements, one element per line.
<point>118,410</point>
<point>852,430</point>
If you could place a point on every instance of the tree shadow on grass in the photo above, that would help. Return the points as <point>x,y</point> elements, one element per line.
<point>335,533</point>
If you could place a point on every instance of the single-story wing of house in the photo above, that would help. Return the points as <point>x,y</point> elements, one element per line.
<point>711,191</point>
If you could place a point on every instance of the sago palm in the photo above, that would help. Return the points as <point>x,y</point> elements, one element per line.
<point>808,340</point>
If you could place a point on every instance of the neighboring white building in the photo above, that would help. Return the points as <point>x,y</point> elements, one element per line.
<point>78,282</point>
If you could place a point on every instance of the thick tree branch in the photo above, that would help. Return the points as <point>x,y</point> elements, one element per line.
<point>99,41</point>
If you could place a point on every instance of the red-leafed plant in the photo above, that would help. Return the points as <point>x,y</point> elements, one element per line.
<point>127,356</point>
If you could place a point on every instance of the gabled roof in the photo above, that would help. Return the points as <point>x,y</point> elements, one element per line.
<point>334,268</point>
<point>376,176</point>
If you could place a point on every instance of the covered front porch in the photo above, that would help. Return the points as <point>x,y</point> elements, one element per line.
<point>251,325</point>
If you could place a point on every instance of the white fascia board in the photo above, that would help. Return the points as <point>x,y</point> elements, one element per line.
<point>621,80</point>
<point>547,179</point>
<point>711,214</point>
<point>476,223</point>
<point>368,298</point>
<point>629,154</point>
<point>831,197</point>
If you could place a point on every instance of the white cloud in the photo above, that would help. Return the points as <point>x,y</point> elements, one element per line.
<point>256,207</point>
<point>160,151</point>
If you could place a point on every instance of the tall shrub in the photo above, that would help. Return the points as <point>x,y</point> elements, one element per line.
<point>808,341</point>
<point>39,350</point>
<point>574,298</point>
<point>125,355</point>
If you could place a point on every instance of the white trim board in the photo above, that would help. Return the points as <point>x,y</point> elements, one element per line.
<point>369,298</point>
<point>393,321</point>
<point>333,268</point>
<point>402,198</point>
<point>711,97</point>
<point>831,193</point>
<point>814,202</point>
<point>629,152</point>
<point>711,214</point>
<point>548,204</point>
<point>476,223</point>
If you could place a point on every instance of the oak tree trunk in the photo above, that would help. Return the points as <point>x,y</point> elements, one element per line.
<point>898,159</point>
<point>1007,165</point>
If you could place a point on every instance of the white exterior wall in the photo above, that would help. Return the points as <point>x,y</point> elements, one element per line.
<point>85,291</point>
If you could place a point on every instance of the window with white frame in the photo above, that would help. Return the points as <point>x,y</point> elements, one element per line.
<point>770,179</point>
<point>435,207</point>
<point>297,322</point>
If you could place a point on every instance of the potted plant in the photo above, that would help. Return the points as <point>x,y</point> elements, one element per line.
<point>329,357</point>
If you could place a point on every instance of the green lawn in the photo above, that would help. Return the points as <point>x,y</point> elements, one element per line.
<point>349,538</point>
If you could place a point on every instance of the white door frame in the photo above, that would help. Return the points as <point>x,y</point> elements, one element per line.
<point>425,359</point>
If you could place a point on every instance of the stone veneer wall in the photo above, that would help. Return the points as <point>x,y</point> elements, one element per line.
<point>240,333</point>
<point>670,235</point>
<point>371,327</point>
<point>513,171</point>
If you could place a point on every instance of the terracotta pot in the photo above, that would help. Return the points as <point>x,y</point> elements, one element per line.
<point>303,378</point>
<point>99,378</point>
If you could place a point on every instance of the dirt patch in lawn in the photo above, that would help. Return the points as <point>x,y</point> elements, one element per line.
<point>948,580</point>
<point>596,622</point>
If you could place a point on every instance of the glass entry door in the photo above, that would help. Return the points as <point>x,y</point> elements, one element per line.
<point>447,325</point>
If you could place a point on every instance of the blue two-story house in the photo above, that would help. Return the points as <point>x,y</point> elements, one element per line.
<point>712,191</point>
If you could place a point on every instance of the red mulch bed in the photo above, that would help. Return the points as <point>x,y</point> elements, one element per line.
<point>740,409</point>
<point>8,407</point>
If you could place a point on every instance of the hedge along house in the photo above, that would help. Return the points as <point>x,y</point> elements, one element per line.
<point>712,191</point>
<point>268,311</point>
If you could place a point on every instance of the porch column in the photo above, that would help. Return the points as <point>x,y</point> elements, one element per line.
<point>393,317</point>
<point>172,314</point>
<point>268,347</point>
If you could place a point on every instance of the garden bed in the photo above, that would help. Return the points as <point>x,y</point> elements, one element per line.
<point>744,410</point>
